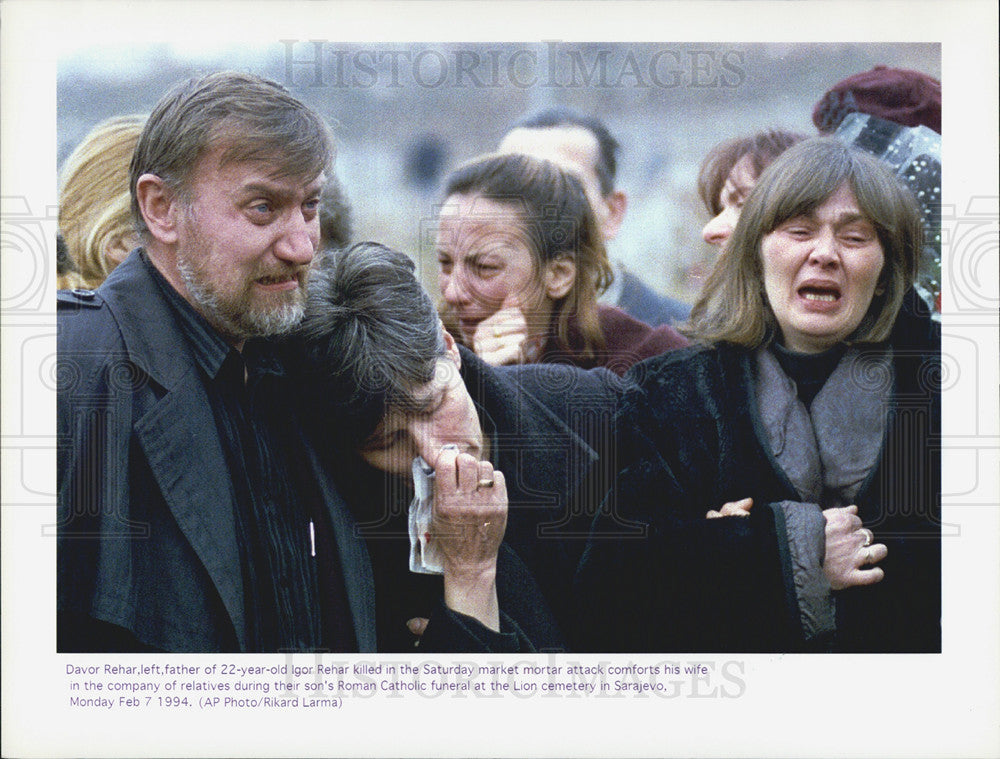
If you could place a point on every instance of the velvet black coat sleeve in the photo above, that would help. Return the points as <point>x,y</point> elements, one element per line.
<point>526,623</point>
<point>656,574</point>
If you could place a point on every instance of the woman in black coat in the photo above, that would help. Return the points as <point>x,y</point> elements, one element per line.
<point>480,557</point>
<point>806,418</point>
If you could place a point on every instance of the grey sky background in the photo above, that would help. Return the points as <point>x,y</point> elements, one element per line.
<point>667,104</point>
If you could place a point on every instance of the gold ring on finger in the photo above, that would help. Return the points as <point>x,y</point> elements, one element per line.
<point>485,482</point>
<point>869,536</point>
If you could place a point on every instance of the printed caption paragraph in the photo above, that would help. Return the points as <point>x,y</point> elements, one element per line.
<point>318,684</point>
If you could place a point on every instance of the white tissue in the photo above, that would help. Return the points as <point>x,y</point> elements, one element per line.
<point>424,558</point>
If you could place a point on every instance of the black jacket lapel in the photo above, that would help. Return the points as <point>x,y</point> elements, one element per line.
<point>182,448</point>
<point>178,433</point>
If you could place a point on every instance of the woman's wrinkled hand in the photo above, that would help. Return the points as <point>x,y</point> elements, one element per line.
<point>468,523</point>
<point>849,549</point>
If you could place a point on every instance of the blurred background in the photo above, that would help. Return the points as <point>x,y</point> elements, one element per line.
<point>406,114</point>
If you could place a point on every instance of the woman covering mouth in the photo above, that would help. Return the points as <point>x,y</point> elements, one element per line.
<point>521,262</point>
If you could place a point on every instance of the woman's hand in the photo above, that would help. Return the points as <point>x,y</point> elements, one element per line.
<point>849,547</point>
<point>503,339</point>
<point>470,516</point>
<point>739,508</point>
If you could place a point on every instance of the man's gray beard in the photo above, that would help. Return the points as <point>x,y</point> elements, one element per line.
<point>238,319</point>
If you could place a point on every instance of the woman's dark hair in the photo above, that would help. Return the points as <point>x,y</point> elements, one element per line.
<point>558,220</point>
<point>370,337</point>
<point>760,148</point>
<point>733,307</point>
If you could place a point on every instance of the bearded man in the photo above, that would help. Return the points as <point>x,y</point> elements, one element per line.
<point>193,515</point>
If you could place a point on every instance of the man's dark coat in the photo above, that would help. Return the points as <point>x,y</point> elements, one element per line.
<point>553,433</point>
<point>147,551</point>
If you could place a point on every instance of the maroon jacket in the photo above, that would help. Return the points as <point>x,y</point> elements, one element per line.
<point>627,341</point>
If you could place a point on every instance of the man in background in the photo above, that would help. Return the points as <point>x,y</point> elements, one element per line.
<point>582,144</point>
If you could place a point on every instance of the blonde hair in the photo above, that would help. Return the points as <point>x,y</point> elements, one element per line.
<point>94,204</point>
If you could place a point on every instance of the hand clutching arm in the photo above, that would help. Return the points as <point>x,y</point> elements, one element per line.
<point>470,516</point>
<point>849,548</point>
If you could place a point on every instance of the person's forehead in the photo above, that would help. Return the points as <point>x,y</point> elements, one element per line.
<point>213,167</point>
<point>474,220</point>
<point>571,147</point>
<point>742,175</point>
<point>425,400</point>
<point>841,202</point>
<point>476,206</point>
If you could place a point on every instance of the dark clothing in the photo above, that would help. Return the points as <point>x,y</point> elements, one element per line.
<point>162,485</point>
<point>627,341</point>
<point>552,432</point>
<point>809,371</point>
<point>526,621</point>
<point>691,440</point>
<point>284,606</point>
<point>527,624</point>
<point>548,427</point>
<point>641,302</point>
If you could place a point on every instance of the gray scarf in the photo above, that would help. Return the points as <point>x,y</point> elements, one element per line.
<point>828,451</point>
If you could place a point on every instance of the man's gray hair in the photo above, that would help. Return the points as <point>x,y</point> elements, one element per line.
<point>371,336</point>
<point>248,117</point>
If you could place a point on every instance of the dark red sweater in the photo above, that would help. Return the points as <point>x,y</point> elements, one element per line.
<point>628,341</point>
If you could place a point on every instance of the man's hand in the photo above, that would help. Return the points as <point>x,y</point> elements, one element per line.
<point>739,508</point>
<point>470,516</point>
<point>502,338</point>
<point>847,552</point>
